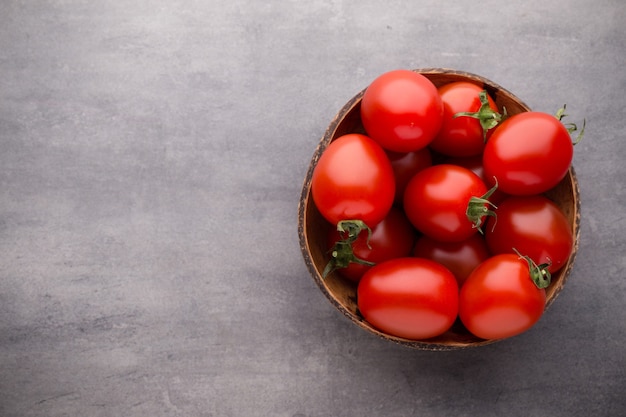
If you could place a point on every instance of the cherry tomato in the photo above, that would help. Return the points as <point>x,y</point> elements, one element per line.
<point>405,166</point>
<point>459,257</point>
<point>401,110</point>
<point>463,136</point>
<point>475,164</point>
<point>529,153</point>
<point>436,202</point>
<point>353,179</point>
<point>534,226</point>
<point>391,238</point>
<point>412,298</point>
<point>499,299</point>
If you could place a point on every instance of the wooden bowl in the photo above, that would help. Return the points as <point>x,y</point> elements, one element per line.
<point>313,228</point>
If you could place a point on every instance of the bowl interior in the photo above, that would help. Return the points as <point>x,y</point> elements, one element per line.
<point>313,228</point>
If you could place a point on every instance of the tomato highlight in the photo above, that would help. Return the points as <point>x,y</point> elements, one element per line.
<point>469,116</point>
<point>499,299</point>
<point>411,298</point>
<point>353,179</point>
<point>402,111</point>
<point>446,202</point>
<point>528,154</point>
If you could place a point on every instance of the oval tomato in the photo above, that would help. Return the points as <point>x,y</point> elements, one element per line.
<point>499,299</point>
<point>353,179</point>
<point>392,238</point>
<point>459,257</point>
<point>463,136</point>
<point>405,166</point>
<point>529,153</point>
<point>401,110</point>
<point>534,226</point>
<point>436,202</point>
<point>412,298</point>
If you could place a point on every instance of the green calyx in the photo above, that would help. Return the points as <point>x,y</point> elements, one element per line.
<point>487,117</point>
<point>571,127</point>
<point>342,254</point>
<point>538,273</point>
<point>478,208</point>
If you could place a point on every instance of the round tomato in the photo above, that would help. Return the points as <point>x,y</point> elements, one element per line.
<point>353,179</point>
<point>401,110</point>
<point>441,202</point>
<point>529,153</point>
<point>500,299</point>
<point>475,164</point>
<point>534,226</point>
<point>459,257</point>
<point>405,166</point>
<point>412,298</point>
<point>465,135</point>
<point>391,238</point>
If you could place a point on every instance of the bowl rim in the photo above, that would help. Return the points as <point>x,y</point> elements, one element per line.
<point>306,199</point>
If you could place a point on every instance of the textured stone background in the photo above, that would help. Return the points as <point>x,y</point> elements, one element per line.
<point>151,158</point>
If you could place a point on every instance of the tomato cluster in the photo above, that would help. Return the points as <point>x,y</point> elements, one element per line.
<point>440,208</point>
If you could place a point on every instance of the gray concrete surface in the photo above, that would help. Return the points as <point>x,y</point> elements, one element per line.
<point>152,154</point>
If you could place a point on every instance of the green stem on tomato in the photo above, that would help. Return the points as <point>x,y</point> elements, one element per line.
<point>342,254</point>
<point>487,117</point>
<point>477,208</point>
<point>571,127</point>
<point>538,273</point>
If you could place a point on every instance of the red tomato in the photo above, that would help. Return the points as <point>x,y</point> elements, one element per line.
<point>529,153</point>
<point>436,202</point>
<point>459,257</point>
<point>499,299</point>
<point>475,164</point>
<point>353,179</point>
<point>464,135</point>
<point>412,298</point>
<point>405,166</point>
<point>391,238</point>
<point>402,110</point>
<point>534,226</point>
